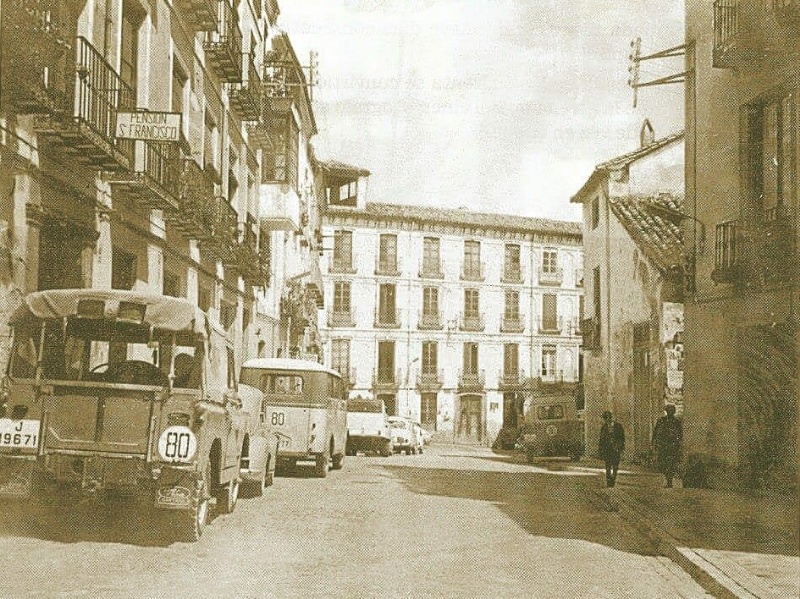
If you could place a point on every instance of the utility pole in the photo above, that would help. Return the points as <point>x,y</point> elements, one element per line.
<point>635,58</point>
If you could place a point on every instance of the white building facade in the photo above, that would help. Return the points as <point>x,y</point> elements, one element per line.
<point>446,314</point>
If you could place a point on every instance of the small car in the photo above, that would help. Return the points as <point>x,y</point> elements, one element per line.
<point>404,435</point>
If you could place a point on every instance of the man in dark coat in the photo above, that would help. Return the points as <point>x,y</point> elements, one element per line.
<point>612,442</point>
<point>667,440</point>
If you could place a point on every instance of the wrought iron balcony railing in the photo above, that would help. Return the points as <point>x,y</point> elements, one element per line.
<point>551,326</point>
<point>471,380</point>
<point>430,321</point>
<point>387,268</point>
<point>472,322</point>
<point>341,319</point>
<point>726,31</point>
<point>197,203</point>
<point>551,276</point>
<point>431,270</point>
<point>430,379</point>
<point>245,97</point>
<point>512,275</point>
<point>385,378</point>
<point>512,324</point>
<point>155,180</point>
<point>341,266</point>
<point>510,379</point>
<point>201,14</point>
<point>223,47</point>
<point>472,272</point>
<point>387,319</point>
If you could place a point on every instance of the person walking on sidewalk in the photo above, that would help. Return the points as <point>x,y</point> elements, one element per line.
<point>667,441</point>
<point>612,442</point>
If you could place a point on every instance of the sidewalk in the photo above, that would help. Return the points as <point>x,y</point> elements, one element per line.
<point>734,544</point>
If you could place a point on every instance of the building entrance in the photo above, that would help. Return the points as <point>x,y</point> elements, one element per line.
<point>469,428</point>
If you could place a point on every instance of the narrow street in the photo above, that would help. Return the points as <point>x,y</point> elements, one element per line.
<point>454,522</point>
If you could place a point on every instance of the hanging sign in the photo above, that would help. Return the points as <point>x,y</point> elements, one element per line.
<point>149,126</point>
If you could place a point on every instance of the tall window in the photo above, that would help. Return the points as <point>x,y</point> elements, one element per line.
<point>470,358</point>
<point>210,143</point>
<point>725,245</point>
<point>179,88</point>
<point>596,292</point>
<point>386,372</point>
<point>430,357</point>
<point>512,268</point>
<point>471,306</point>
<point>548,361</point>
<point>472,259</point>
<point>512,305</point>
<point>132,17</point>
<point>387,253</point>
<point>123,269</point>
<point>431,259</point>
<point>549,312</point>
<point>280,164</point>
<point>550,261</point>
<point>595,216</point>
<point>511,359</point>
<point>387,304</point>
<point>778,153</point>
<point>340,357</point>
<point>341,297</point>
<point>430,301</point>
<point>343,250</point>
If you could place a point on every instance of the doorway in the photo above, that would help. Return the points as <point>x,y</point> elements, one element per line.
<point>469,428</point>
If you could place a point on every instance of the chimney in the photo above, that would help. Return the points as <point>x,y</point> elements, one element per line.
<point>646,134</point>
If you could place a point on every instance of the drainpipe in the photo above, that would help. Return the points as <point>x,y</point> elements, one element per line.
<point>532,321</point>
<point>609,361</point>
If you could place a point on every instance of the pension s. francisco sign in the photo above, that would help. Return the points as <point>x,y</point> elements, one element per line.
<point>149,126</point>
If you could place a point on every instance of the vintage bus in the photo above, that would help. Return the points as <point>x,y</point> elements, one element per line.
<point>306,405</point>
<point>114,393</point>
<point>552,428</point>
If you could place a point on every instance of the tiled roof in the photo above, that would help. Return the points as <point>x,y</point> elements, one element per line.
<point>622,161</point>
<point>463,217</point>
<point>336,168</point>
<point>654,225</point>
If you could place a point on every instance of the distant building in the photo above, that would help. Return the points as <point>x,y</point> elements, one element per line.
<point>633,318</point>
<point>742,140</point>
<point>446,314</point>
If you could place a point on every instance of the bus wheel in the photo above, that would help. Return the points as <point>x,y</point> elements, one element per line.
<point>226,500</point>
<point>338,460</point>
<point>321,469</point>
<point>190,524</point>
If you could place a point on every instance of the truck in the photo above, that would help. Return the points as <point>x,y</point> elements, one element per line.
<point>367,427</point>
<point>114,395</point>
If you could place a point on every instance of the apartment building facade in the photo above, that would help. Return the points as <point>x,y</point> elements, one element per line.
<point>447,315</point>
<point>741,338</point>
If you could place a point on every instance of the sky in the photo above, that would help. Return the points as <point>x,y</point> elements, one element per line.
<point>492,105</point>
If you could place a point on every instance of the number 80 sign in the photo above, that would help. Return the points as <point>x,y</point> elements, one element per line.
<point>177,444</point>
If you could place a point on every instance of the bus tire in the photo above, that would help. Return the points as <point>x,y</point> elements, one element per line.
<point>338,460</point>
<point>321,468</point>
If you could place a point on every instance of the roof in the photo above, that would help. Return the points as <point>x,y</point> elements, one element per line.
<point>162,312</point>
<point>288,364</point>
<point>342,170</point>
<point>652,223</point>
<point>622,161</point>
<point>458,216</point>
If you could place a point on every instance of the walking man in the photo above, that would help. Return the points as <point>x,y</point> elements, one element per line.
<point>667,440</point>
<point>612,442</point>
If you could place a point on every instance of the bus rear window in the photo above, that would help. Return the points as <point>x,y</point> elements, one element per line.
<point>289,384</point>
<point>554,412</point>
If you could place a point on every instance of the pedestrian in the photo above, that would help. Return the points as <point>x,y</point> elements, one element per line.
<point>667,441</point>
<point>612,443</point>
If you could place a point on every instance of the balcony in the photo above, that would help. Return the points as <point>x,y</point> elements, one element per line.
<point>341,319</point>
<point>472,322</point>
<point>196,203</point>
<point>472,272</point>
<point>510,380</point>
<point>749,32</point>
<point>727,263</point>
<point>387,268</point>
<point>551,326</point>
<point>245,97</point>
<point>155,181</point>
<point>430,321</point>
<point>430,380</point>
<point>471,381</point>
<point>280,211</point>
<point>512,276</point>
<point>590,332</point>
<point>223,47</point>
<point>201,14</point>
<point>512,324</point>
<point>431,270</point>
<point>726,30</point>
<point>387,319</point>
<point>341,266</point>
<point>259,135</point>
<point>386,380</point>
<point>572,327</point>
<point>551,276</point>
<point>243,256</point>
<point>81,121</point>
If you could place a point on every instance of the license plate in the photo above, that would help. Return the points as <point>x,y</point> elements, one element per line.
<point>174,497</point>
<point>19,433</point>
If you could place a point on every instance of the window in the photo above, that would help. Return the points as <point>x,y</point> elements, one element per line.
<point>596,292</point>
<point>471,307</point>
<point>171,284</point>
<point>552,412</point>
<point>387,254</point>
<point>510,359</point>
<point>595,216</point>
<point>204,298</point>
<point>211,143</point>
<point>285,384</point>
<point>227,314</point>
<point>179,80</point>
<point>777,154</point>
<point>280,164</point>
<point>430,301</point>
<point>512,268</point>
<point>470,358</point>
<point>472,259</point>
<point>123,269</point>
<point>428,410</point>
<point>343,250</point>
<point>387,313</point>
<point>233,181</point>
<point>132,17</point>
<point>386,372</point>
<point>431,259</point>
<point>430,351</point>
<point>550,261</point>
<point>549,312</point>
<point>725,246</point>
<point>548,361</point>
<point>340,357</point>
<point>512,305</point>
<point>341,297</point>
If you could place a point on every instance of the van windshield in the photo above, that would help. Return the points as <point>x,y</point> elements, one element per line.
<point>372,407</point>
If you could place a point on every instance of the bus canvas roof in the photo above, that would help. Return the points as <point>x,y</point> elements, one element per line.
<point>288,364</point>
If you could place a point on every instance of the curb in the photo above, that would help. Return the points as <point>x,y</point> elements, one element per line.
<point>696,563</point>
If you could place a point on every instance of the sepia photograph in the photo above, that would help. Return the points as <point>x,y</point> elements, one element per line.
<point>355,299</point>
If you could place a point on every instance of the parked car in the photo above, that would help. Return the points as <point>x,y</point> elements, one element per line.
<point>367,427</point>
<point>260,446</point>
<point>404,435</point>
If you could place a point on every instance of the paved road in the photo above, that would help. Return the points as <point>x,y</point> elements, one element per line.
<point>454,522</point>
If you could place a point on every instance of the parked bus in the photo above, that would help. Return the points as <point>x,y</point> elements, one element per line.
<point>306,405</point>
<point>552,428</point>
